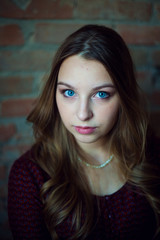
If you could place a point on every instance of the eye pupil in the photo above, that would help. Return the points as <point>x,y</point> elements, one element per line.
<point>70,93</point>
<point>101,94</point>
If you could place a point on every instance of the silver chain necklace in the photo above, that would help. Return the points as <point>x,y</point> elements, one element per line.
<point>97,166</point>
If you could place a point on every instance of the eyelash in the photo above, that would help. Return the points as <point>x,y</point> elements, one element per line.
<point>107,94</point>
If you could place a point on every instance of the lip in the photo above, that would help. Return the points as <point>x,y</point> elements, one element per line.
<point>85,130</point>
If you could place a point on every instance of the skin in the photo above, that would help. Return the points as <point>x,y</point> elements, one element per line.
<point>88,104</point>
<point>86,97</point>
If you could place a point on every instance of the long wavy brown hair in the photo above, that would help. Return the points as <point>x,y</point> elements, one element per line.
<point>66,192</point>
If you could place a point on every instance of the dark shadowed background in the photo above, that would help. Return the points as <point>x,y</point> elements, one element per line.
<point>30,33</point>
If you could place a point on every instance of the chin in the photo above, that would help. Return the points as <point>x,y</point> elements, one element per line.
<point>87,140</point>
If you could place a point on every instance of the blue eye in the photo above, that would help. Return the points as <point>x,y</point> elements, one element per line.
<point>102,94</point>
<point>69,93</point>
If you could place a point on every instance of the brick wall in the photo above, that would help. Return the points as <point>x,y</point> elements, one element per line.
<point>31,31</point>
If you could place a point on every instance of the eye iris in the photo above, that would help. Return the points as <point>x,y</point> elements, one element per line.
<point>102,94</point>
<point>70,93</point>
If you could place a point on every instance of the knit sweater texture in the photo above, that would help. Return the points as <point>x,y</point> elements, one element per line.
<point>125,214</point>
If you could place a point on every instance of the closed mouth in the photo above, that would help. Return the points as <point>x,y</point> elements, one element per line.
<point>85,129</point>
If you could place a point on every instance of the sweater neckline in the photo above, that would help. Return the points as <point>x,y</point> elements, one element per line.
<point>121,189</point>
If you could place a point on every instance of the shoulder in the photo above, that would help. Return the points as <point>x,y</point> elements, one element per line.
<point>26,172</point>
<point>25,206</point>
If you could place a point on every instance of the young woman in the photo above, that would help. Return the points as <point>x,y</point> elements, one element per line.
<point>92,173</point>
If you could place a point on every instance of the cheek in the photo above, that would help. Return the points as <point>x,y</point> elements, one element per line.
<point>64,111</point>
<point>109,114</point>
<point>114,109</point>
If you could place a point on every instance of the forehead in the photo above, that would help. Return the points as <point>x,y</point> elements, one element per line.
<point>77,68</point>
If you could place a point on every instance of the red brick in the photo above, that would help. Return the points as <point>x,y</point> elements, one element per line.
<point>156,57</point>
<point>16,85</point>
<point>155,120</point>
<point>148,35</point>
<point>16,107</point>
<point>18,60</point>
<point>3,191</point>
<point>139,56</point>
<point>15,149</point>
<point>7,132</point>
<point>92,9</point>
<point>54,32</point>
<point>11,152</point>
<point>143,78</point>
<point>3,172</point>
<point>37,9</point>
<point>11,35</point>
<point>132,10</point>
<point>155,98</point>
<point>157,8</point>
<point>113,10</point>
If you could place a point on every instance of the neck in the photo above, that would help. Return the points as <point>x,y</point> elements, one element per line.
<point>96,150</point>
<point>97,156</point>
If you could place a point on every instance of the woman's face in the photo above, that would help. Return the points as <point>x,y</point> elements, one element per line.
<point>87,99</point>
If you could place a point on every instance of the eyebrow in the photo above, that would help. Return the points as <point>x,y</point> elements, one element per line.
<point>95,88</point>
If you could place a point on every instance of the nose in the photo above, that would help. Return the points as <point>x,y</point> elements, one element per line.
<point>84,111</point>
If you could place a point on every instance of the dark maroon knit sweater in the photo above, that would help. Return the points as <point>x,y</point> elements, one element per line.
<point>124,215</point>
